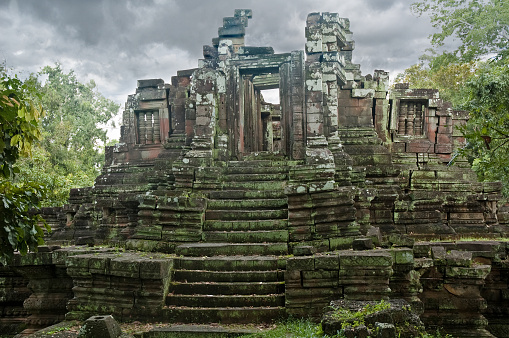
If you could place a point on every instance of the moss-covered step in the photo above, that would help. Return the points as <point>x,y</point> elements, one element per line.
<point>226,214</point>
<point>267,236</point>
<point>247,225</point>
<point>250,204</point>
<point>193,331</point>
<point>248,177</point>
<point>231,249</point>
<point>251,164</point>
<point>231,263</point>
<point>226,315</point>
<point>192,276</point>
<point>227,288</point>
<point>256,170</point>
<point>255,185</point>
<point>247,194</point>
<point>203,300</point>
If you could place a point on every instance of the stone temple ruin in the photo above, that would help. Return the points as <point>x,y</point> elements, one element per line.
<point>233,209</point>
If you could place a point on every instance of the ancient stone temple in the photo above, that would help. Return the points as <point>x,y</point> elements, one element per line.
<point>239,210</point>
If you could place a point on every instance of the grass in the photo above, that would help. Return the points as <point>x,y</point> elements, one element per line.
<point>291,328</point>
<point>304,328</point>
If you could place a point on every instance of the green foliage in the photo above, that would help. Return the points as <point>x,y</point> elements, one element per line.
<point>295,328</point>
<point>39,169</point>
<point>19,228</point>
<point>19,121</point>
<point>71,152</point>
<point>487,131</point>
<point>482,26</point>
<point>19,128</point>
<point>356,318</point>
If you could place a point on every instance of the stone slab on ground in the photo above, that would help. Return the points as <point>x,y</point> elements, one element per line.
<point>196,331</point>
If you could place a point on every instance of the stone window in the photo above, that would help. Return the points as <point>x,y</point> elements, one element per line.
<point>148,130</point>
<point>411,118</point>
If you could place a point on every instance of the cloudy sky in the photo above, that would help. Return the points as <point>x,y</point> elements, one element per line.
<point>116,42</point>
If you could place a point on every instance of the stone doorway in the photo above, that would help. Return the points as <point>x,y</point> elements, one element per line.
<point>261,120</point>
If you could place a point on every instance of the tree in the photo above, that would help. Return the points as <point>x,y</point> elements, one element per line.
<point>481,26</point>
<point>487,131</point>
<point>19,129</point>
<point>70,153</point>
<point>75,113</point>
<point>19,121</point>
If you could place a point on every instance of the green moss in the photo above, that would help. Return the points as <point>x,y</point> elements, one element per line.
<point>356,318</point>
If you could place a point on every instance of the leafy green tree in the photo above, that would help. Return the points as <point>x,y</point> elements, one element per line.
<point>70,154</point>
<point>19,129</point>
<point>487,131</point>
<point>481,26</point>
<point>74,131</point>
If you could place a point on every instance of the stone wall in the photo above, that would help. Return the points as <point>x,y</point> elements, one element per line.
<point>455,286</point>
<point>461,287</point>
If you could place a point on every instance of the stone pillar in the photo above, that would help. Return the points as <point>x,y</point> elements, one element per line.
<point>204,95</point>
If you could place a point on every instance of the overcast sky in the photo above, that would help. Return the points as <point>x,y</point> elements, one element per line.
<point>116,42</point>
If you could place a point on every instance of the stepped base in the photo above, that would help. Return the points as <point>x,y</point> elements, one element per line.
<point>227,288</point>
<point>202,300</point>
<point>198,331</point>
<point>231,249</point>
<point>226,315</point>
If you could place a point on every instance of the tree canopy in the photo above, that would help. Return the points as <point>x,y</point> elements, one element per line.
<point>70,152</point>
<point>19,128</point>
<point>487,131</point>
<point>480,26</point>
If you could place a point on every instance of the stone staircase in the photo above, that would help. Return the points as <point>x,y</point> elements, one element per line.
<point>236,275</point>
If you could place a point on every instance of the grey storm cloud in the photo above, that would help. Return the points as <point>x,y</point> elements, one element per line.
<point>117,42</point>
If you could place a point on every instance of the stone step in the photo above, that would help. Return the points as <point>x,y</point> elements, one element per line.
<point>231,249</point>
<point>256,170</point>
<point>231,263</point>
<point>255,177</point>
<point>197,276</point>
<point>226,315</point>
<point>247,194</point>
<point>254,185</point>
<point>251,163</point>
<point>227,288</point>
<point>194,330</point>
<point>234,215</point>
<point>249,204</point>
<point>269,236</point>
<point>248,225</point>
<point>211,301</point>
